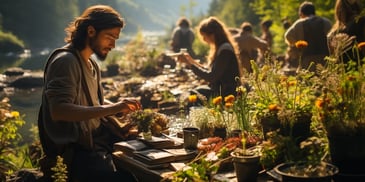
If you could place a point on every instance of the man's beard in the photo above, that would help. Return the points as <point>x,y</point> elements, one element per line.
<point>97,50</point>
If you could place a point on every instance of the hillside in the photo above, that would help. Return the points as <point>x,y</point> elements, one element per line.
<point>159,14</point>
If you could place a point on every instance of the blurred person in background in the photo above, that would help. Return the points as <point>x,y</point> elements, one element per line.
<point>250,47</point>
<point>350,20</point>
<point>183,36</point>
<point>223,66</point>
<point>312,29</point>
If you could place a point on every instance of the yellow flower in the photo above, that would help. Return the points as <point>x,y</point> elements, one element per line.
<point>193,98</point>
<point>240,90</point>
<point>301,44</point>
<point>229,99</point>
<point>15,114</point>
<point>217,100</point>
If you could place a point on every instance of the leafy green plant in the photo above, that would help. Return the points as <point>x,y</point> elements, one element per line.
<point>10,121</point>
<point>288,97</point>
<point>143,118</point>
<point>340,107</point>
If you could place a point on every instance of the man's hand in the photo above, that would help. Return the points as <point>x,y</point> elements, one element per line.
<point>128,105</point>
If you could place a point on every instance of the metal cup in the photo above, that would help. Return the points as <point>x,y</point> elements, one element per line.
<point>191,137</point>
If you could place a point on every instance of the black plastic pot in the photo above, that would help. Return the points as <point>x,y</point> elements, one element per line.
<point>246,167</point>
<point>348,154</point>
<point>287,175</point>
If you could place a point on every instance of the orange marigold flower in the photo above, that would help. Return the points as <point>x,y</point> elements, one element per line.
<point>228,104</point>
<point>283,78</point>
<point>217,100</point>
<point>273,107</point>
<point>292,83</point>
<point>361,45</point>
<point>340,91</point>
<point>319,103</point>
<point>301,44</point>
<point>351,77</point>
<point>229,99</point>
<point>212,111</point>
<point>193,98</point>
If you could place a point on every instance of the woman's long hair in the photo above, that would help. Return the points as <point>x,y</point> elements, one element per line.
<point>344,13</point>
<point>221,34</point>
<point>100,17</point>
<point>213,25</point>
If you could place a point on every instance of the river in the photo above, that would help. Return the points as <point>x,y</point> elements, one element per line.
<point>26,101</point>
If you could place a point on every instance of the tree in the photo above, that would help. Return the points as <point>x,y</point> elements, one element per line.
<point>39,23</point>
<point>287,9</point>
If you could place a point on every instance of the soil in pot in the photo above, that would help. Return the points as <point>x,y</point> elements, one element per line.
<point>303,172</point>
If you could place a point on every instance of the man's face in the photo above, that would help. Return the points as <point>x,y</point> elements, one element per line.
<point>103,42</point>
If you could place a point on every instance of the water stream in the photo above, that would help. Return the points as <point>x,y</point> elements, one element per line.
<point>26,101</point>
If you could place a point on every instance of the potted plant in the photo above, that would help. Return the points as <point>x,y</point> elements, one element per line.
<point>150,123</point>
<point>282,101</point>
<point>284,104</point>
<point>202,118</point>
<point>246,161</point>
<point>312,168</point>
<point>341,108</point>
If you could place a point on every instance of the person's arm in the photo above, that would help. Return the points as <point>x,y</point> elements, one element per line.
<point>73,112</point>
<point>218,70</point>
<point>260,44</point>
<point>61,89</point>
<point>189,61</point>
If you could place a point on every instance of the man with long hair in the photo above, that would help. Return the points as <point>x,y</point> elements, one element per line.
<point>72,101</point>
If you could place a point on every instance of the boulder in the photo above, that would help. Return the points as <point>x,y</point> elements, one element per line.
<point>14,71</point>
<point>27,81</point>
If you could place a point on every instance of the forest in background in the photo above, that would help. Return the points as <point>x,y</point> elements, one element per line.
<point>39,24</point>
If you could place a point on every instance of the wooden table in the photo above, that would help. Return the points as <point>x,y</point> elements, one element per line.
<point>140,170</point>
<point>144,173</point>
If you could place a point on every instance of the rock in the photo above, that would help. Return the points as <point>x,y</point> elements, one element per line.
<point>14,71</point>
<point>28,81</point>
<point>112,70</point>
